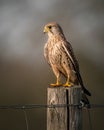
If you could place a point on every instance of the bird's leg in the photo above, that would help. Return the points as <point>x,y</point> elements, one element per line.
<point>57,84</point>
<point>68,84</point>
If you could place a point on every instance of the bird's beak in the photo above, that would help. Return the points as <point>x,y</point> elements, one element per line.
<point>46,30</point>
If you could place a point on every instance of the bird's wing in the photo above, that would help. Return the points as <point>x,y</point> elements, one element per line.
<point>68,49</point>
<point>46,55</point>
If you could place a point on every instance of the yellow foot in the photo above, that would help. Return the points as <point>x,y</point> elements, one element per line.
<point>67,85</point>
<point>56,85</point>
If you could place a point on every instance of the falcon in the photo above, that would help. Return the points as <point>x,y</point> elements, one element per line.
<point>60,56</point>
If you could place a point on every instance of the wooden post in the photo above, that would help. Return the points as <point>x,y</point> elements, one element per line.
<point>66,117</point>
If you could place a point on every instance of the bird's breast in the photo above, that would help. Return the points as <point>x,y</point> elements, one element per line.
<point>54,53</point>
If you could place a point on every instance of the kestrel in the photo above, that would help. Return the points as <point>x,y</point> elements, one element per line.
<point>59,54</point>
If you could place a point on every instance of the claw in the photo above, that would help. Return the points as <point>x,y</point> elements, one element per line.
<point>56,85</point>
<point>67,85</point>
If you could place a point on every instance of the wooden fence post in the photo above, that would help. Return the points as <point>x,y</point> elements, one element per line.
<point>64,118</point>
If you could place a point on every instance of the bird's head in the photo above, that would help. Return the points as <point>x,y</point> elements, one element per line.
<point>52,29</point>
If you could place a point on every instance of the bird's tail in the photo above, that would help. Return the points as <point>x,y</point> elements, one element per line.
<point>82,85</point>
<point>86,91</point>
<point>84,101</point>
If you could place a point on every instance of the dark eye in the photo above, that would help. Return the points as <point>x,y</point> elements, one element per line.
<point>50,27</point>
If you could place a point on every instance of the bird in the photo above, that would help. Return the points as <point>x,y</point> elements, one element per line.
<point>59,54</point>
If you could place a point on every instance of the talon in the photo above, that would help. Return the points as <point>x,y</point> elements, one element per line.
<point>67,85</point>
<point>56,85</point>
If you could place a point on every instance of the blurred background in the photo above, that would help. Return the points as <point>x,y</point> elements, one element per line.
<point>24,74</point>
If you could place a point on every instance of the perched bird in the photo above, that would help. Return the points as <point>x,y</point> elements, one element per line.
<point>59,54</point>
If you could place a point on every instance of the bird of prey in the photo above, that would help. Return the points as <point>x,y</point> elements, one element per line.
<point>59,54</point>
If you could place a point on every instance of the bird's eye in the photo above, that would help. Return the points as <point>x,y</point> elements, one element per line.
<point>50,27</point>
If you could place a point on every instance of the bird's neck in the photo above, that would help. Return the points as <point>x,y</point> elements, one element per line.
<point>56,37</point>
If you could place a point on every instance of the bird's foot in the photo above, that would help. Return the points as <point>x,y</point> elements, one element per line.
<point>56,85</point>
<point>67,84</point>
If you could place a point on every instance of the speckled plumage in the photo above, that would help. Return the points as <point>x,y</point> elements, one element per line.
<point>59,54</point>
